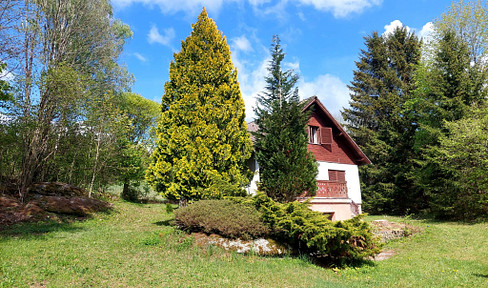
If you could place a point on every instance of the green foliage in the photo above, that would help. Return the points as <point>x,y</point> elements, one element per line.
<point>4,86</point>
<point>294,223</point>
<point>382,85</point>
<point>223,217</point>
<point>169,208</point>
<point>447,86</point>
<point>130,194</point>
<point>143,114</point>
<point>202,135</point>
<point>463,155</point>
<point>469,21</point>
<point>286,167</point>
<point>65,81</point>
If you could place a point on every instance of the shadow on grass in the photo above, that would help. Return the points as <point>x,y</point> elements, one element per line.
<point>37,230</point>
<point>168,222</point>
<point>480,275</point>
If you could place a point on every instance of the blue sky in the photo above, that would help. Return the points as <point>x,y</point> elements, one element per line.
<point>321,38</point>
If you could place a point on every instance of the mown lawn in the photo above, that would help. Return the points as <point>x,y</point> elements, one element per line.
<point>133,246</point>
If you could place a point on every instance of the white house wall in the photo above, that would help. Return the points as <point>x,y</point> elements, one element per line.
<point>352,177</point>
<point>253,187</point>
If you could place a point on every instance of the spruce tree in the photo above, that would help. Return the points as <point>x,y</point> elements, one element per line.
<point>203,144</point>
<point>377,121</point>
<point>287,169</point>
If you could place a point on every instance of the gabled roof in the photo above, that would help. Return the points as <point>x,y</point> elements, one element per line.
<point>361,159</point>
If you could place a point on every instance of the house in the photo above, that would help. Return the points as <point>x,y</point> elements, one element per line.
<point>338,158</point>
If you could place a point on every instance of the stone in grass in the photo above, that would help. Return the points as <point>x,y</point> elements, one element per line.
<point>261,246</point>
<point>57,189</point>
<point>79,206</point>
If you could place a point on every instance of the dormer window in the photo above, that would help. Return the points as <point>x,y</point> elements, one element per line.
<point>313,134</point>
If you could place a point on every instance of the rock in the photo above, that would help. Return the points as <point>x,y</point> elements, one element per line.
<point>12,211</point>
<point>56,189</point>
<point>260,246</point>
<point>80,206</point>
<point>389,231</point>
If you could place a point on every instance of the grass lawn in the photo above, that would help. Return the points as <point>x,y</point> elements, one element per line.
<point>134,247</point>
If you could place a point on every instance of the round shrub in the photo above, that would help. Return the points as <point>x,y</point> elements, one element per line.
<point>223,217</point>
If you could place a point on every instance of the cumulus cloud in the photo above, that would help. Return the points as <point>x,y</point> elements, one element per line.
<point>241,44</point>
<point>338,8</point>
<point>140,57</point>
<point>426,31</point>
<point>389,28</point>
<point>155,37</point>
<point>251,81</point>
<point>332,92</point>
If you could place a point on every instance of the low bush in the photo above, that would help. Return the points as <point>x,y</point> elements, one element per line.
<point>309,231</point>
<point>223,217</point>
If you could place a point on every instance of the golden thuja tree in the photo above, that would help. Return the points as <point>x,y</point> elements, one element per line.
<point>203,144</point>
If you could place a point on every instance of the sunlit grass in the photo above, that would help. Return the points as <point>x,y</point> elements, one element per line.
<point>133,246</point>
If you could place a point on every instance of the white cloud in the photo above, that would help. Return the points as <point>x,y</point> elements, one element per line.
<point>155,37</point>
<point>389,28</point>
<point>171,6</point>
<point>251,81</point>
<point>426,31</point>
<point>342,8</point>
<point>6,75</point>
<point>332,92</point>
<point>339,8</point>
<point>241,44</point>
<point>140,57</point>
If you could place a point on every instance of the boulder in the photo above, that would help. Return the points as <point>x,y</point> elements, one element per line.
<point>261,246</point>
<point>79,206</point>
<point>56,189</point>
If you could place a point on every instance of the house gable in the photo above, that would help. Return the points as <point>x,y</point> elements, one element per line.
<point>334,144</point>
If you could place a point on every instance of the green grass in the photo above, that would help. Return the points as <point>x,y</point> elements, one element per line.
<point>133,246</point>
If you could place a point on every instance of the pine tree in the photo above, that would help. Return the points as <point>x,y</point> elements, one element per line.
<point>377,120</point>
<point>287,169</point>
<point>203,143</point>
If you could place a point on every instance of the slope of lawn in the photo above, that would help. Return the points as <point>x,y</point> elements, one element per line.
<point>133,246</point>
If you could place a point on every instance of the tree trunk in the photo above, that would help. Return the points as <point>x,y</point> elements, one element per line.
<point>97,155</point>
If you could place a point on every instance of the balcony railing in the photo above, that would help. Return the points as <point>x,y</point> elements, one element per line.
<point>331,189</point>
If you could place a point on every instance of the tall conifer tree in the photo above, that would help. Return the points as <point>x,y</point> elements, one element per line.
<point>203,143</point>
<point>287,169</point>
<point>383,82</point>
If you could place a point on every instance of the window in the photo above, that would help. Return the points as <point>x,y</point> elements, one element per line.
<point>313,134</point>
<point>322,135</point>
<point>337,176</point>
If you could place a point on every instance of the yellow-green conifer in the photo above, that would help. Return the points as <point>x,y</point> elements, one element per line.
<point>203,143</point>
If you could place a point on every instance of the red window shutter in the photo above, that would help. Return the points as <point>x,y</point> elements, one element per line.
<point>325,135</point>
<point>337,176</point>
<point>341,176</point>
<point>332,175</point>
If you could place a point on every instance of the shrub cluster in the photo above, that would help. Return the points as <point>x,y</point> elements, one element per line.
<point>292,223</point>
<point>309,231</point>
<point>224,217</point>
